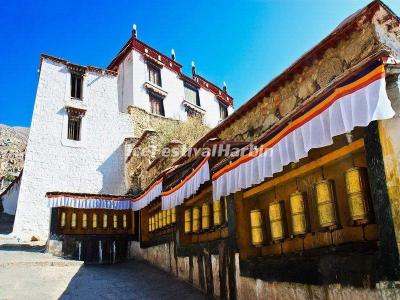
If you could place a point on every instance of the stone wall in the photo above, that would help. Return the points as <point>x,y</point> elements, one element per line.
<point>156,134</point>
<point>371,37</point>
<point>194,270</point>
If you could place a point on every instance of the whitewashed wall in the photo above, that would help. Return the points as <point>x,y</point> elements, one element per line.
<point>134,68</point>
<point>10,199</point>
<point>53,163</point>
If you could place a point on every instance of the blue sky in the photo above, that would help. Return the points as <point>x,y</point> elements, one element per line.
<point>245,43</point>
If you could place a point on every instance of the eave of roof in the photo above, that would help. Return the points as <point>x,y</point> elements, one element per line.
<point>140,46</point>
<point>84,68</point>
<point>340,32</point>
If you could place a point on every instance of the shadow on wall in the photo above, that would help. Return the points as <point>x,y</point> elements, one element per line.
<point>130,280</point>
<point>112,171</point>
<point>6,223</point>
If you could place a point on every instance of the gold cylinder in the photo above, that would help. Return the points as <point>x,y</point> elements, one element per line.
<point>73,220</point>
<point>298,213</point>
<point>150,224</point>
<point>196,219</point>
<point>63,218</point>
<point>105,221</point>
<point>326,204</point>
<point>217,212</point>
<point>205,216</point>
<point>84,220</point>
<point>115,221</point>
<point>188,220</point>
<point>256,222</point>
<point>164,218</point>
<point>276,215</point>
<point>94,221</point>
<point>168,216</point>
<point>160,220</point>
<point>173,215</point>
<point>357,194</point>
<point>156,222</point>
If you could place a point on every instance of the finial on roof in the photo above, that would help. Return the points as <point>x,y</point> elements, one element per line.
<point>193,68</point>
<point>225,87</point>
<point>134,31</point>
<point>173,54</point>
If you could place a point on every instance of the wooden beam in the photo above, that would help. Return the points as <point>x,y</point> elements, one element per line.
<point>307,168</point>
<point>200,195</point>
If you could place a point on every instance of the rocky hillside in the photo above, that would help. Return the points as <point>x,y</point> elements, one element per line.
<point>13,142</point>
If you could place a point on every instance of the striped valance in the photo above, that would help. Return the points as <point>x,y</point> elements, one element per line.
<point>88,201</point>
<point>94,201</point>
<point>354,102</point>
<point>152,193</point>
<point>188,186</point>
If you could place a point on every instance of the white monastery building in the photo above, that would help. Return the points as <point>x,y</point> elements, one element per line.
<point>80,122</point>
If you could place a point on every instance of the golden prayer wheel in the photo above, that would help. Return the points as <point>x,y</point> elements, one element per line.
<point>62,221</point>
<point>256,222</point>
<point>150,228</point>
<point>168,216</point>
<point>115,221</point>
<point>298,213</point>
<point>164,218</point>
<point>156,226</point>
<point>173,215</point>
<point>188,220</point>
<point>160,220</point>
<point>84,220</point>
<point>105,221</point>
<point>217,213</point>
<point>94,221</point>
<point>205,216</point>
<point>276,218</point>
<point>196,219</point>
<point>124,221</point>
<point>326,204</point>
<point>356,187</point>
<point>73,220</point>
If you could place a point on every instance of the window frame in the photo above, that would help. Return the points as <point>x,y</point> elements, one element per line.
<point>75,133</point>
<point>76,90</point>
<point>151,68</point>
<point>194,89</point>
<point>152,99</point>
<point>225,107</point>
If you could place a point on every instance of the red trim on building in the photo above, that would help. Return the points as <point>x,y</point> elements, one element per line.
<point>350,25</point>
<point>170,64</point>
<point>220,94</point>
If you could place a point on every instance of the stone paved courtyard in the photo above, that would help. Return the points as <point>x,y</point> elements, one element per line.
<point>28,273</point>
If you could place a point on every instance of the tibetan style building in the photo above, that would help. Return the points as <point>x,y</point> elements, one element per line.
<point>302,203</point>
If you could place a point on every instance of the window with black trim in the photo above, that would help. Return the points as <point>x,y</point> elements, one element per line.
<point>74,128</point>
<point>156,105</point>
<point>154,74</point>
<point>192,95</point>
<point>76,85</point>
<point>223,111</point>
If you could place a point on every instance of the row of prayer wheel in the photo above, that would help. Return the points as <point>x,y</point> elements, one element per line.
<point>84,223</point>
<point>198,218</point>
<point>357,197</point>
<point>162,219</point>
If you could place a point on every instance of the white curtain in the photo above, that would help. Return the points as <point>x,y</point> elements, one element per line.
<point>89,203</point>
<point>144,200</point>
<point>359,108</point>
<point>189,188</point>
